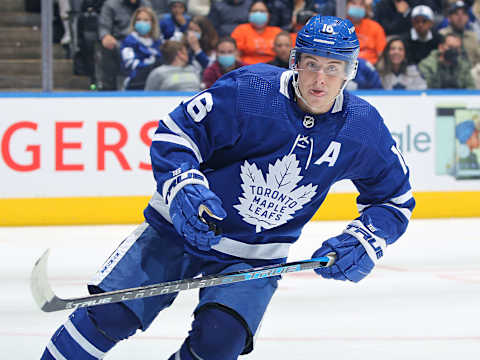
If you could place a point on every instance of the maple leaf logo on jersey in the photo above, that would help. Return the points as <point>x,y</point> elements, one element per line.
<point>268,203</point>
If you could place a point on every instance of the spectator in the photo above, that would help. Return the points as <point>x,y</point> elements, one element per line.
<point>370,33</point>
<point>86,31</point>
<point>280,13</point>
<point>394,70</point>
<point>175,74</point>
<point>458,19</point>
<point>113,25</point>
<point>175,23</point>
<point>140,50</point>
<point>366,78</point>
<point>447,67</point>
<point>198,7</point>
<point>64,9</point>
<point>421,39</point>
<point>255,39</point>
<point>300,20</point>
<point>394,15</point>
<point>282,46</point>
<point>160,7</point>
<point>226,61</point>
<point>322,7</point>
<point>226,15</point>
<point>201,40</point>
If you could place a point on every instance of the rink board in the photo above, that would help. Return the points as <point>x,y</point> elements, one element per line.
<point>82,158</point>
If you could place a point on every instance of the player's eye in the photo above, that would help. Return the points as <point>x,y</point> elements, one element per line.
<point>332,69</point>
<point>314,67</point>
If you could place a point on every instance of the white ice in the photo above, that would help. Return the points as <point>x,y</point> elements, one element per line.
<point>421,302</point>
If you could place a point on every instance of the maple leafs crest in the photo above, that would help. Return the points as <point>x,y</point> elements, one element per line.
<point>269,202</point>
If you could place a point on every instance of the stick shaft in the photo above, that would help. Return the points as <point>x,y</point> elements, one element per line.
<point>49,302</point>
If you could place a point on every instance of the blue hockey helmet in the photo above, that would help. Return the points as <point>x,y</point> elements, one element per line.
<point>331,37</point>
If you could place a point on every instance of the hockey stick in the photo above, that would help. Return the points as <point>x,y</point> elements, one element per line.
<point>49,302</point>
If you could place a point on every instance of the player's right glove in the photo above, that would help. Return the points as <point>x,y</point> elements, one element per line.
<point>191,204</point>
<point>357,250</point>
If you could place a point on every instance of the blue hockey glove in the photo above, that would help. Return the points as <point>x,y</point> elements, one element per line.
<point>357,251</point>
<point>189,210</point>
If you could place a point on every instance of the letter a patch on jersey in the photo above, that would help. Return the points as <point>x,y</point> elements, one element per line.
<point>330,155</point>
<point>272,201</point>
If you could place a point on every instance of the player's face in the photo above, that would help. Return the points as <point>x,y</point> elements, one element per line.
<point>319,80</point>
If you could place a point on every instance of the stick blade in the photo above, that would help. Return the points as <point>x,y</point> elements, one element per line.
<point>39,286</point>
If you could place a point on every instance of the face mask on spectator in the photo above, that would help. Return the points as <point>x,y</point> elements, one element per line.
<point>197,34</point>
<point>451,55</point>
<point>356,12</point>
<point>143,27</point>
<point>259,18</point>
<point>226,60</point>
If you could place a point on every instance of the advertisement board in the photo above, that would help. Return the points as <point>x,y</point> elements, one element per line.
<point>84,158</point>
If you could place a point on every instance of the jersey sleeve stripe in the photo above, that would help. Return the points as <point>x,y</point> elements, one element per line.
<point>405,212</point>
<point>402,198</point>
<point>173,139</point>
<point>172,126</point>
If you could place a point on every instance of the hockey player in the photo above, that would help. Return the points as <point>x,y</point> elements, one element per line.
<point>256,153</point>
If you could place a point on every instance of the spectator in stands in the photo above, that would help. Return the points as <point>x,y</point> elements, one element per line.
<point>174,24</point>
<point>113,25</point>
<point>198,7</point>
<point>301,19</point>
<point>421,39</point>
<point>64,9</point>
<point>323,7</point>
<point>370,33</point>
<point>226,15</point>
<point>160,7</point>
<point>280,13</point>
<point>201,40</point>
<point>140,50</point>
<point>226,61</point>
<point>282,46</point>
<point>366,78</point>
<point>394,15</point>
<point>394,70</point>
<point>86,33</point>
<point>458,19</point>
<point>175,74</point>
<point>255,39</point>
<point>447,67</point>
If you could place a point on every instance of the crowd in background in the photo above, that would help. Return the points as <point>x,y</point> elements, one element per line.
<point>186,45</point>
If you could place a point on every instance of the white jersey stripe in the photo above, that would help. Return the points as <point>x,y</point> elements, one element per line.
<point>52,349</point>
<point>118,254</point>
<point>402,198</point>
<point>406,212</point>
<point>252,251</point>
<point>172,139</point>
<point>172,126</point>
<point>231,246</point>
<point>82,341</point>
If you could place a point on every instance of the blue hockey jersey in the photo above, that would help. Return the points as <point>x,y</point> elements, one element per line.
<point>272,164</point>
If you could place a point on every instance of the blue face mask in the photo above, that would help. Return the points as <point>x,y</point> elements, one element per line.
<point>258,18</point>
<point>226,60</point>
<point>356,12</point>
<point>143,27</point>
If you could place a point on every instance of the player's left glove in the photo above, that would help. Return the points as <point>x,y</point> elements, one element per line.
<point>192,205</point>
<point>357,251</point>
